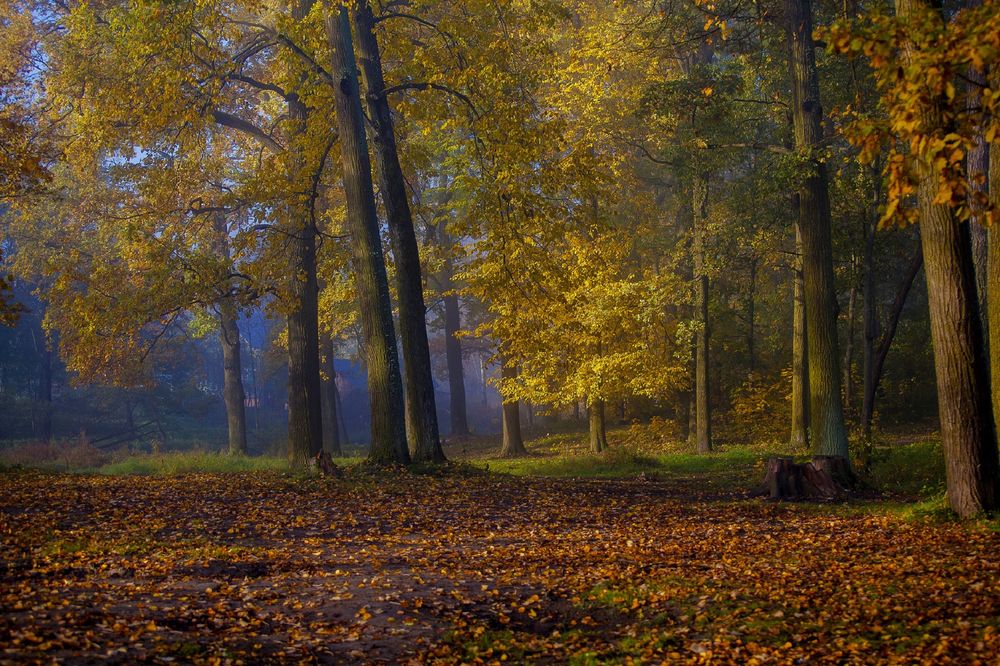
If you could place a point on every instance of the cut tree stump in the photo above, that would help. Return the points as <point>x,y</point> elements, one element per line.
<point>823,477</point>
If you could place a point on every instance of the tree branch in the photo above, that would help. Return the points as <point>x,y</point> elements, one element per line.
<point>240,125</point>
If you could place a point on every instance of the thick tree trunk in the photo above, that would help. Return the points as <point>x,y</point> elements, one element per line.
<point>597,427</point>
<point>703,413</point>
<point>800,352</point>
<point>422,424</point>
<point>826,415</point>
<point>388,427</point>
<point>305,435</point>
<point>232,377</point>
<point>993,282</point>
<point>305,407</point>
<point>512,443</point>
<point>879,355</point>
<point>963,382</point>
<point>331,417</point>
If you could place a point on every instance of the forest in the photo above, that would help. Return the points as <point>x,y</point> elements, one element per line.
<point>483,331</point>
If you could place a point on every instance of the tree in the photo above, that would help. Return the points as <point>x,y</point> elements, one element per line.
<point>384,381</point>
<point>826,416</point>
<point>419,383</point>
<point>917,56</point>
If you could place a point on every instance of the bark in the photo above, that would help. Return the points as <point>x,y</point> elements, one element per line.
<point>703,414</point>
<point>305,435</point>
<point>597,427</point>
<point>232,377</point>
<point>963,382</point>
<point>512,443</point>
<point>305,407</point>
<point>993,282</point>
<point>826,415</point>
<point>879,355</point>
<point>331,416</point>
<point>419,383</point>
<point>233,393</point>
<point>388,428</point>
<point>800,359</point>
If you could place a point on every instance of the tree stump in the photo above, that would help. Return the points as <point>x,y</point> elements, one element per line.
<point>323,464</point>
<point>824,477</point>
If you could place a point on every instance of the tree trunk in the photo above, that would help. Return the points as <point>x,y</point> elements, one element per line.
<point>423,424</point>
<point>963,383</point>
<point>826,415</point>
<point>305,407</point>
<point>388,427</point>
<point>703,413</point>
<point>993,283</point>
<point>331,418</point>
<point>800,352</point>
<point>512,442</point>
<point>879,355</point>
<point>305,434</point>
<point>232,376</point>
<point>597,427</point>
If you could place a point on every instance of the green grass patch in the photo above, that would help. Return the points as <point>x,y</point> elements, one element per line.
<point>173,464</point>
<point>915,470</point>
<point>735,466</point>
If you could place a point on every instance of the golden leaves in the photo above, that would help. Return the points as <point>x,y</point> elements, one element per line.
<point>261,567</point>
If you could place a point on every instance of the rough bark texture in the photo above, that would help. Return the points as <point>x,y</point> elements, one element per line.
<point>963,383</point>
<point>331,416</point>
<point>597,427</point>
<point>305,418</point>
<point>232,377</point>
<point>800,358</point>
<point>422,422</point>
<point>824,477</point>
<point>512,443</point>
<point>993,282</point>
<point>826,414</point>
<point>385,389</point>
<point>703,408</point>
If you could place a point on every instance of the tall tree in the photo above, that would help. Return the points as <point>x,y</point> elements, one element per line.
<point>826,414</point>
<point>421,410</point>
<point>388,426</point>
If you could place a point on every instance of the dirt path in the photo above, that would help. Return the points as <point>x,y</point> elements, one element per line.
<point>263,568</point>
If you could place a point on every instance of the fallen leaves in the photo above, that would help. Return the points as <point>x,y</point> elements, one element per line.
<point>483,569</point>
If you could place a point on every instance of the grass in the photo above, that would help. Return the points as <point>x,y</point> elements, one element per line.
<point>174,463</point>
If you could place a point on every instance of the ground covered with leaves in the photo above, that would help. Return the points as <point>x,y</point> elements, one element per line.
<point>477,567</point>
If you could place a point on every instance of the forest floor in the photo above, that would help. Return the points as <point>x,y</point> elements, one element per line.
<point>678,565</point>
